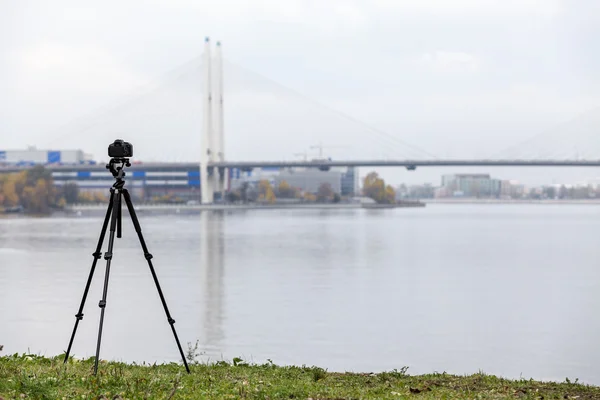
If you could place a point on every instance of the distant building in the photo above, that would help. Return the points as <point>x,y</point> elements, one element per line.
<point>344,181</point>
<point>350,182</point>
<point>471,185</point>
<point>146,182</point>
<point>33,156</point>
<point>237,176</point>
<point>511,189</point>
<point>309,180</point>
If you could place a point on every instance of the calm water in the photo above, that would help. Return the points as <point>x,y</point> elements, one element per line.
<point>512,290</point>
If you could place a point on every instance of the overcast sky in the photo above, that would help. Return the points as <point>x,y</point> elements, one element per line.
<point>460,78</point>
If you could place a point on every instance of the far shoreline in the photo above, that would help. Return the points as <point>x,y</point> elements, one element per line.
<point>183,209</point>
<point>511,201</point>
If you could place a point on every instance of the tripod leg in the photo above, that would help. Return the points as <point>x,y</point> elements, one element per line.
<point>119,220</point>
<point>97,254</point>
<point>148,257</point>
<point>108,258</point>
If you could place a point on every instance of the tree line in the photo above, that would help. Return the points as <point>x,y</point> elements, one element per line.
<point>374,187</point>
<point>266,193</point>
<point>34,191</point>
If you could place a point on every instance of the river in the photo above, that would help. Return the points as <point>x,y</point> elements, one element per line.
<point>512,290</point>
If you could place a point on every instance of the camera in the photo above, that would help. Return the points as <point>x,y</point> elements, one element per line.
<point>120,149</point>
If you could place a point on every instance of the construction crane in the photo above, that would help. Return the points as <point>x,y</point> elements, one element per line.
<point>304,155</point>
<point>320,147</point>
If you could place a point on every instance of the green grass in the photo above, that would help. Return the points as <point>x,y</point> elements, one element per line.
<point>36,377</point>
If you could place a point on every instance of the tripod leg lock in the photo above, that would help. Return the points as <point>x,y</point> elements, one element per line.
<point>79,316</point>
<point>148,256</point>
<point>107,256</point>
<point>102,304</point>
<point>97,255</point>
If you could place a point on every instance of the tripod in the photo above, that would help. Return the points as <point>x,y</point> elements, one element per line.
<point>114,214</point>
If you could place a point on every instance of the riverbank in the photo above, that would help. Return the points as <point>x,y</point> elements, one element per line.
<point>30,376</point>
<point>225,207</point>
<point>511,201</point>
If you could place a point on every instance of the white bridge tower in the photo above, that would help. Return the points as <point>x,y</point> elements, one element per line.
<point>214,180</point>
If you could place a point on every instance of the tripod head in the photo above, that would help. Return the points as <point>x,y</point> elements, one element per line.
<point>117,170</point>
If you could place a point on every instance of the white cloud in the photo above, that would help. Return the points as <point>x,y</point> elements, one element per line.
<point>470,8</point>
<point>332,17</point>
<point>449,61</point>
<point>449,67</point>
<point>48,66</point>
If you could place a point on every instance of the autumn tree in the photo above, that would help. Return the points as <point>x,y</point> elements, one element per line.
<point>234,196</point>
<point>374,187</point>
<point>100,197</point>
<point>85,197</point>
<point>70,192</point>
<point>9,190</point>
<point>33,189</point>
<point>20,181</point>
<point>36,173</point>
<point>324,193</point>
<point>390,195</point>
<point>309,197</point>
<point>285,191</point>
<point>265,192</point>
<point>39,198</point>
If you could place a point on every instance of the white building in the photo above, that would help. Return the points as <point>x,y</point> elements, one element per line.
<point>32,156</point>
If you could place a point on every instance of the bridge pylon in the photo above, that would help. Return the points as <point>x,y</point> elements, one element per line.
<point>212,180</point>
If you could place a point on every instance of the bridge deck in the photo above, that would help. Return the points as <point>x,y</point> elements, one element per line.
<point>411,164</point>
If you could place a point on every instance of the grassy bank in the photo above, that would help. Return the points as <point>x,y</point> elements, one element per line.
<point>34,377</point>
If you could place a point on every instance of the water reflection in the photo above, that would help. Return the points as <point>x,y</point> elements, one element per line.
<point>212,265</point>
<point>443,288</point>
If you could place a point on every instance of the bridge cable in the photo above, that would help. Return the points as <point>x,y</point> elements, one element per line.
<point>339,113</point>
<point>136,94</point>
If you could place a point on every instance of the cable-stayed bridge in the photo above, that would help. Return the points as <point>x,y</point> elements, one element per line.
<point>183,117</point>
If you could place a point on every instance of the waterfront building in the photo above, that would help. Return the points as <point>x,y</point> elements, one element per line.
<point>471,185</point>
<point>309,179</point>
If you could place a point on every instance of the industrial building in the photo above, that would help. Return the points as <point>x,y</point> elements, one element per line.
<point>147,180</point>
<point>33,156</point>
<point>343,181</point>
<point>309,180</point>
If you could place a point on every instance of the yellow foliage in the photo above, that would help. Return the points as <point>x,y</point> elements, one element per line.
<point>33,189</point>
<point>310,197</point>
<point>100,197</point>
<point>285,190</point>
<point>375,188</point>
<point>270,196</point>
<point>86,197</point>
<point>390,195</point>
<point>265,192</point>
<point>9,191</point>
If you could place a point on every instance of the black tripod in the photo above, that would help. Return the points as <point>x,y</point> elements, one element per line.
<point>114,209</point>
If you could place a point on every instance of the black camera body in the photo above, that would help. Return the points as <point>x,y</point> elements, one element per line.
<point>120,149</point>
